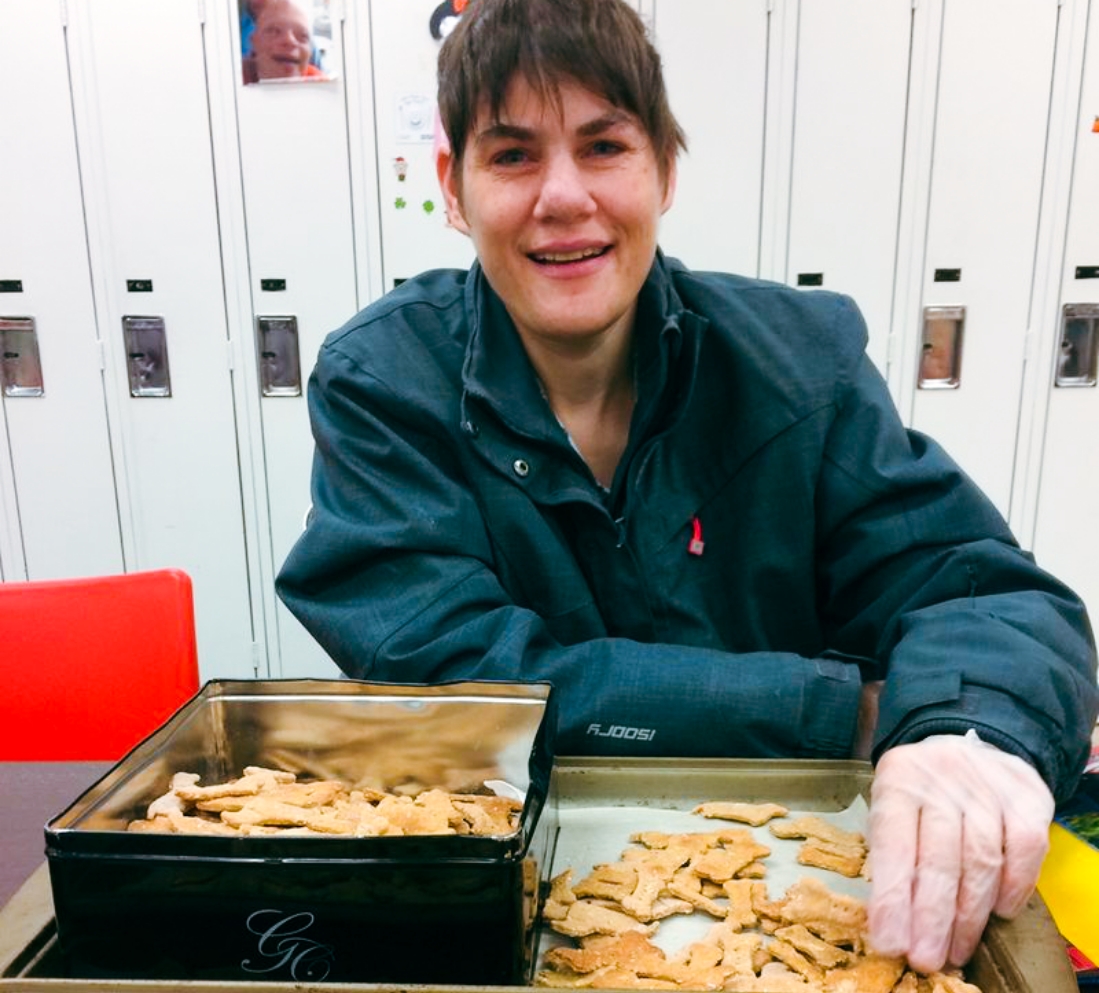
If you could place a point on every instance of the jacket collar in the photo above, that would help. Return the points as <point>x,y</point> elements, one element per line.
<point>497,371</point>
<point>498,374</point>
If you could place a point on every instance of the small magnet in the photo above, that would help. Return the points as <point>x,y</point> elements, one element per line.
<point>400,167</point>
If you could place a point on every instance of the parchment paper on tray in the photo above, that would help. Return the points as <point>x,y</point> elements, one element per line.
<point>590,836</point>
<point>801,928</point>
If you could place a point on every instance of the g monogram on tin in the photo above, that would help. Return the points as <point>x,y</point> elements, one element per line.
<point>282,944</point>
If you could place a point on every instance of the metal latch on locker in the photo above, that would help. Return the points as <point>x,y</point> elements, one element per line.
<point>1076,361</point>
<point>20,364</point>
<point>279,356</point>
<point>941,348</point>
<point>147,356</point>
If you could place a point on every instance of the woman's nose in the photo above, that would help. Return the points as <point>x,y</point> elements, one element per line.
<point>564,192</point>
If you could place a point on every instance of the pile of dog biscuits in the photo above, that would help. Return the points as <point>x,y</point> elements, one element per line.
<point>810,940</point>
<point>274,802</point>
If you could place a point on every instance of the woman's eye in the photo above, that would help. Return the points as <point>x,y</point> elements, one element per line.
<point>510,156</point>
<point>607,147</point>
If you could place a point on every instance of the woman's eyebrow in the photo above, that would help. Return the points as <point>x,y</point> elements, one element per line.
<point>500,130</point>
<point>605,122</point>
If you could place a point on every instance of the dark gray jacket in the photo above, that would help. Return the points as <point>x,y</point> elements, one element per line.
<point>457,534</point>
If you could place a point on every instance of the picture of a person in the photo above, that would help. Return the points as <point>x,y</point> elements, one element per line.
<point>281,43</point>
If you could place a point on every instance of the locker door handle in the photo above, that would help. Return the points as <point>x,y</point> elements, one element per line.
<point>147,356</point>
<point>20,364</point>
<point>1076,363</point>
<point>941,348</point>
<point>279,356</point>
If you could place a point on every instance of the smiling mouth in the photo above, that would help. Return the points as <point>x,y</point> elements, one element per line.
<point>563,258</point>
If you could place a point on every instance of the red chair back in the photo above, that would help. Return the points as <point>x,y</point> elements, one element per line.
<point>91,666</point>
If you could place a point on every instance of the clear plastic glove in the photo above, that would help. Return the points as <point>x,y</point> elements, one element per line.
<point>958,831</point>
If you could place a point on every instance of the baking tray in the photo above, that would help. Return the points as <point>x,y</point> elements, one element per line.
<point>308,909</point>
<point>1026,955</point>
<point>599,801</point>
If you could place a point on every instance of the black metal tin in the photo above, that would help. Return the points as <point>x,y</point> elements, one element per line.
<point>427,909</point>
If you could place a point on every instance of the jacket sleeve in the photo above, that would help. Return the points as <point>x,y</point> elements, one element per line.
<point>394,576</point>
<point>920,572</point>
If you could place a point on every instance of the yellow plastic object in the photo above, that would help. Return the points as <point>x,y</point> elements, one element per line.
<point>1069,885</point>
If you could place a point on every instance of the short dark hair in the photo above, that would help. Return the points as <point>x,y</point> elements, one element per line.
<point>600,44</point>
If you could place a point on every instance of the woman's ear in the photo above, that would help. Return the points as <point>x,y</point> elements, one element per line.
<point>670,176</point>
<point>448,181</point>
<point>444,166</point>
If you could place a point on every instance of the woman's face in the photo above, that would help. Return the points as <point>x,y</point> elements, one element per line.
<point>282,41</point>
<point>563,203</point>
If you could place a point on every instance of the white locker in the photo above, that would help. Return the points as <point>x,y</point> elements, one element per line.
<point>983,142</point>
<point>57,495</point>
<point>847,125</point>
<point>144,133</point>
<point>1065,538</point>
<point>715,66</point>
<point>411,212</point>
<point>301,268</point>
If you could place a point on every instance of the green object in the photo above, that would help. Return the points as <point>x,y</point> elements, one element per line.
<point>1086,826</point>
<point>400,203</point>
<point>429,206</point>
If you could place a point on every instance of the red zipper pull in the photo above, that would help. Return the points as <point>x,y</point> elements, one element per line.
<point>696,545</point>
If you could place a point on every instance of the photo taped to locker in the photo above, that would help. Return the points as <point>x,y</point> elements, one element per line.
<point>285,41</point>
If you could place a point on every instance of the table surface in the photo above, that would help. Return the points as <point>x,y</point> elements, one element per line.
<point>31,794</point>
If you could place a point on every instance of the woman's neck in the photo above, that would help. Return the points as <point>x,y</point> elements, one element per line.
<point>592,394</point>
